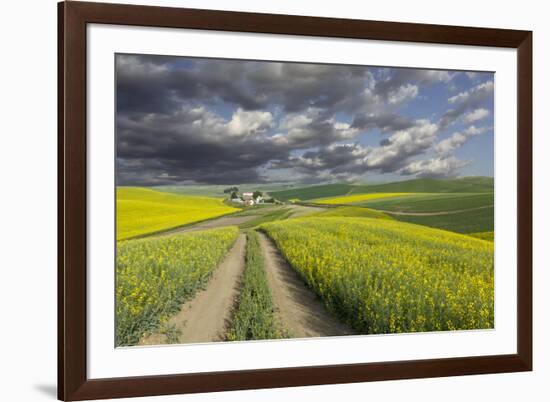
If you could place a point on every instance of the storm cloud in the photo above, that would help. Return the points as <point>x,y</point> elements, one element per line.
<point>189,120</point>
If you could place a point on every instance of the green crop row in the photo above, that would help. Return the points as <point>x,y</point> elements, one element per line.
<point>254,317</point>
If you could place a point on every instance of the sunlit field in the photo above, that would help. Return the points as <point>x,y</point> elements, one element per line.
<point>265,200</point>
<point>382,276</point>
<point>489,236</point>
<point>433,202</point>
<point>154,276</point>
<point>142,211</point>
<point>350,199</point>
<point>469,221</point>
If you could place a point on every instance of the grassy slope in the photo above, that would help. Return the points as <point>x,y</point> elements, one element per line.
<point>480,220</point>
<point>433,202</point>
<point>309,193</point>
<point>254,318</point>
<point>462,185</point>
<point>141,210</point>
<point>351,212</point>
<point>466,184</point>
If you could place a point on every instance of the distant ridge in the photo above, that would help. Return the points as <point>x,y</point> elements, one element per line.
<point>474,184</point>
<point>312,192</point>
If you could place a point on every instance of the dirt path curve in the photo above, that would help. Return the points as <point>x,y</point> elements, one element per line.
<point>300,311</point>
<point>433,213</point>
<point>205,318</point>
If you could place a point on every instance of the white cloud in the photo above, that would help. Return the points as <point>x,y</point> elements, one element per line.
<point>297,120</point>
<point>479,91</point>
<point>435,167</point>
<point>135,66</point>
<point>244,123</point>
<point>403,144</point>
<point>312,128</point>
<point>473,131</point>
<point>465,102</point>
<point>402,94</point>
<point>436,75</point>
<point>448,145</point>
<point>475,115</point>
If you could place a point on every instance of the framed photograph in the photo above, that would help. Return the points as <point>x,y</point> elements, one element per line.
<point>254,200</point>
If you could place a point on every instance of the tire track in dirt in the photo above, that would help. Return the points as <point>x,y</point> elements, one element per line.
<point>297,308</point>
<point>205,318</point>
<point>220,222</point>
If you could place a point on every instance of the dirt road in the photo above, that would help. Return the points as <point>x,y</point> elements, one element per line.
<point>299,310</point>
<point>211,224</point>
<point>205,318</point>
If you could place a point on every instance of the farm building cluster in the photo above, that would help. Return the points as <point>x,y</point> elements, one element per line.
<point>247,198</point>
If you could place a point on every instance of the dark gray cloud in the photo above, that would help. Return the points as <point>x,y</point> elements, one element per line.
<point>196,144</point>
<point>154,85</point>
<point>230,121</point>
<point>386,121</point>
<point>297,87</point>
<point>403,76</point>
<point>158,84</point>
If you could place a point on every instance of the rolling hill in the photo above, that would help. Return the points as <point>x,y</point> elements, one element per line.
<point>141,211</point>
<point>460,185</point>
<point>312,192</point>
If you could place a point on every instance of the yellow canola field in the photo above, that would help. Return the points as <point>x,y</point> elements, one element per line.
<point>349,199</point>
<point>383,276</point>
<point>155,275</point>
<point>142,210</point>
<point>489,236</point>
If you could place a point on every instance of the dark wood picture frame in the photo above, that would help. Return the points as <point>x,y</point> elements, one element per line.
<point>73,383</point>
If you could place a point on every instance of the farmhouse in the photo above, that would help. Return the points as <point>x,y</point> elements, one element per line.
<point>248,198</point>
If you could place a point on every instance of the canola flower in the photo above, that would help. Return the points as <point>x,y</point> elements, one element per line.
<point>155,276</point>
<point>489,236</point>
<point>141,211</point>
<point>383,276</point>
<point>349,199</point>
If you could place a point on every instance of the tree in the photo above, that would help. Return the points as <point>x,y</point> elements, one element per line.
<point>231,190</point>
<point>234,195</point>
<point>257,194</point>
